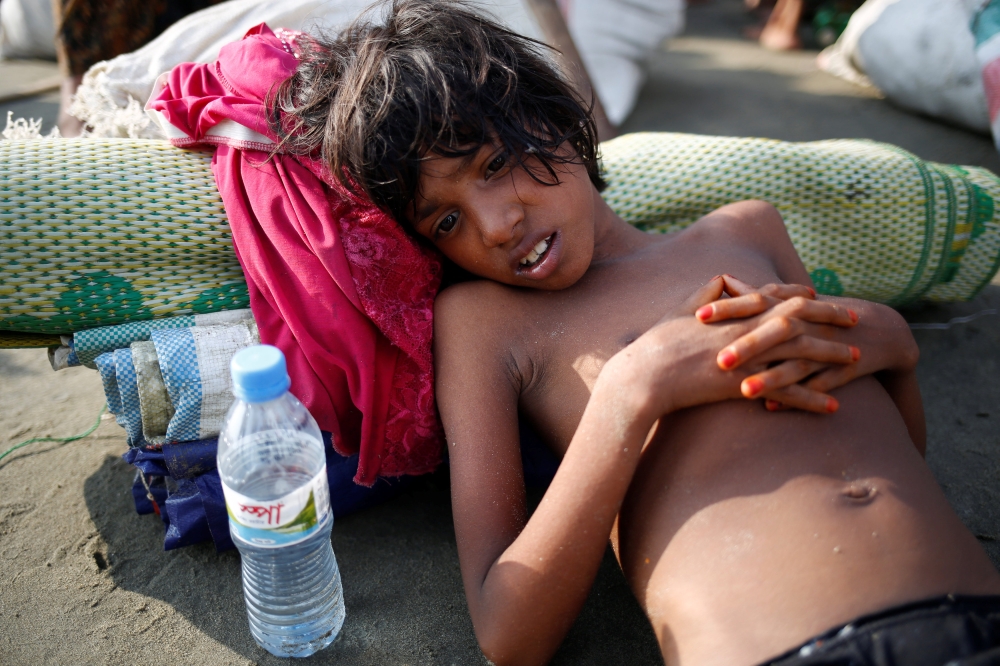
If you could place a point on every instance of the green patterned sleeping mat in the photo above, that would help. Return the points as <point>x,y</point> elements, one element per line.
<point>95,232</point>
<point>869,219</point>
<point>100,232</point>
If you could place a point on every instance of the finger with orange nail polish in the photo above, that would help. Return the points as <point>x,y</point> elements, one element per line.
<point>832,405</point>
<point>751,387</point>
<point>855,353</point>
<point>726,359</point>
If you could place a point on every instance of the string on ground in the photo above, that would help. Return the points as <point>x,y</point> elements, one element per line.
<point>61,440</point>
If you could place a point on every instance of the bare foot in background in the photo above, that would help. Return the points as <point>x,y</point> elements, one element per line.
<point>69,126</point>
<point>781,33</point>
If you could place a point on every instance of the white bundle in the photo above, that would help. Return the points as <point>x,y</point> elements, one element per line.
<point>27,29</point>
<point>920,53</point>
<point>111,97</point>
<point>614,38</point>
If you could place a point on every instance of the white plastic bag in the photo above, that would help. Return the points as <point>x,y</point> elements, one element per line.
<point>920,53</point>
<point>27,29</point>
<point>615,38</point>
<point>111,97</point>
<point>113,92</point>
<point>986,29</point>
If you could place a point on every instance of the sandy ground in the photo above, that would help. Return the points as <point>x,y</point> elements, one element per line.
<point>84,580</point>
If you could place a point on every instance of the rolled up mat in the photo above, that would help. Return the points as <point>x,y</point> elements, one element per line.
<point>100,232</point>
<point>868,219</point>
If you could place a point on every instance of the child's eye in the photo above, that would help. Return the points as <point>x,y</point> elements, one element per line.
<point>446,225</point>
<point>496,165</point>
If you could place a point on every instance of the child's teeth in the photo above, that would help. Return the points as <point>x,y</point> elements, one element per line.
<point>536,252</point>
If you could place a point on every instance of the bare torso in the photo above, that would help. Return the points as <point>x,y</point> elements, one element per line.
<point>744,532</point>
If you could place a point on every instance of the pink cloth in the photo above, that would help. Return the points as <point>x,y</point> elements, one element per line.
<point>334,282</point>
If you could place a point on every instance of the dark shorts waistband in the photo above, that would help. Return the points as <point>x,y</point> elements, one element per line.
<point>953,630</point>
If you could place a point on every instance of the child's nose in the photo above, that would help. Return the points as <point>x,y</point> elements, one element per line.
<point>499,224</point>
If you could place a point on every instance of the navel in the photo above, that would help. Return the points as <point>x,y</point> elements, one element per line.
<point>859,492</point>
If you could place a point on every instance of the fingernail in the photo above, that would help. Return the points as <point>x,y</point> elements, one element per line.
<point>751,387</point>
<point>727,359</point>
<point>832,405</point>
<point>855,353</point>
<point>772,405</point>
<point>812,292</point>
<point>715,278</point>
<point>853,315</point>
<point>705,312</point>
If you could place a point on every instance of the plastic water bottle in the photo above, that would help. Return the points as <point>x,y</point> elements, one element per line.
<point>273,471</point>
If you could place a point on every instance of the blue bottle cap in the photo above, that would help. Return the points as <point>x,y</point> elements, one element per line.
<point>259,373</point>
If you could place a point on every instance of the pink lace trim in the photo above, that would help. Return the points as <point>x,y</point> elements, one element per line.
<point>397,281</point>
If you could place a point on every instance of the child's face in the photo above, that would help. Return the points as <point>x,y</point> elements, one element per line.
<point>501,224</point>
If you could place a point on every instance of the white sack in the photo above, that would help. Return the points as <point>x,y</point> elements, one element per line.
<point>113,92</point>
<point>614,38</point>
<point>27,29</point>
<point>920,53</point>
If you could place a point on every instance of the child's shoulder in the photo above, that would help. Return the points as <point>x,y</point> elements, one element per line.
<point>479,329</point>
<point>750,229</point>
<point>474,296</point>
<point>749,222</point>
<point>478,309</point>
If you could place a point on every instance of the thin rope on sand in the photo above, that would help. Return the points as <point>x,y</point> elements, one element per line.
<point>61,440</point>
<point>952,322</point>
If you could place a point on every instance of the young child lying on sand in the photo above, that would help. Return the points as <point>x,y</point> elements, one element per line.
<point>755,460</point>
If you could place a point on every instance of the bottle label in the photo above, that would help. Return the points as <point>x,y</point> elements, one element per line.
<point>282,521</point>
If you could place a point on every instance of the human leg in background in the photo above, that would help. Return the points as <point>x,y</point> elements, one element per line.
<point>781,31</point>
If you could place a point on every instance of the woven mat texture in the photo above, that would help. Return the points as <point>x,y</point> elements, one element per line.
<point>869,219</point>
<point>99,232</point>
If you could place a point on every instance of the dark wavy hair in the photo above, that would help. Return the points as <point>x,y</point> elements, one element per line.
<point>431,77</point>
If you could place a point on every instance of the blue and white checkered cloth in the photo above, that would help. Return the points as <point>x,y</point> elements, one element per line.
<point>194,365</point>
<point>129,391</point>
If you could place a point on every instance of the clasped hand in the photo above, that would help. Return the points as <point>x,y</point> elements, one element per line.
<point>774,343</point>
<point>789,353</point>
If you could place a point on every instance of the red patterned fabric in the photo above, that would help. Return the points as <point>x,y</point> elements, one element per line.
<point>991,81</point>
<point>334,282</point>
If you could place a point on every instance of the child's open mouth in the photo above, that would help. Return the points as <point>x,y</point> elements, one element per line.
<point>537,253</point>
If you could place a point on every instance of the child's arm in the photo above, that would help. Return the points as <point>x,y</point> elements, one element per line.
<point>525,580</point>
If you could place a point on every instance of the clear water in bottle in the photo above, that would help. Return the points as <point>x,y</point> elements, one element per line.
<point>273,471</point>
